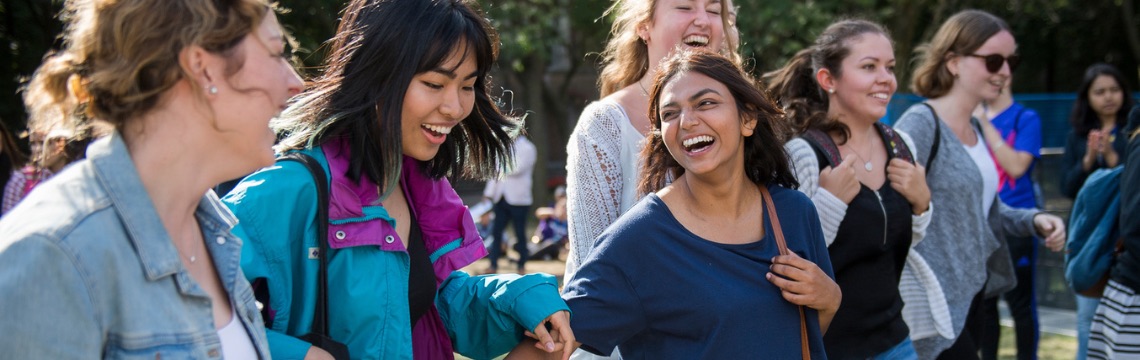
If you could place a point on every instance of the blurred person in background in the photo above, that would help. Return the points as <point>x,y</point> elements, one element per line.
<point>1097,141</point>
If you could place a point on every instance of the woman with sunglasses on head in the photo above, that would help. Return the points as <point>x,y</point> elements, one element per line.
<point>403,102</point>
<point>969,60</point>
<point>128,253</point>
<point>696,269</point>
<point>874,204</point>
<point>1097,141</point>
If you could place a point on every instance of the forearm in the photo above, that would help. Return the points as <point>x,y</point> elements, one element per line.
<point>1014,162</point>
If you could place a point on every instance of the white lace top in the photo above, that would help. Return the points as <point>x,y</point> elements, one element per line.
<point>602,169</point>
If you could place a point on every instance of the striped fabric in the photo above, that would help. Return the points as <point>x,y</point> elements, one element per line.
<point>1116,327</point>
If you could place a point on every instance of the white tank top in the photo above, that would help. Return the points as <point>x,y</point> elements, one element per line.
<point>235,341</point>
<point>981,155</point>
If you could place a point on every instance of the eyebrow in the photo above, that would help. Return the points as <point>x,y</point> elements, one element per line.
<point>451,73</point>
<point>702,93</point>
<point>874,58</point>
<point>693,98</point>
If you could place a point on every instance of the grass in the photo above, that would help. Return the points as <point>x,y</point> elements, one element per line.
<point>1051,347</point>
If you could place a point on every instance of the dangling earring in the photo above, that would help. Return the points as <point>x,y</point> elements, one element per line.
<point>213,90</point>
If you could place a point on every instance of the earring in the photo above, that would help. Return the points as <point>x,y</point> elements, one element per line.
<point>213,90</point>
<point>831,91</point>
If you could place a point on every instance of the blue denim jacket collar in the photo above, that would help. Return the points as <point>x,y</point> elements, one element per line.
<point>119,177</point>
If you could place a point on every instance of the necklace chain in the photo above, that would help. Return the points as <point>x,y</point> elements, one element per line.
<point>867,164</point>
<point>643,91</point>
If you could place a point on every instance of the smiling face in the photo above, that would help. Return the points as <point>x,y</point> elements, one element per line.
<point>701,125</point>
<point>435,102</point>
<point>867,80</point>
<point>972,72</point>
<point>685,23</point>
<point>1105,96</point>
<point>260,90</point>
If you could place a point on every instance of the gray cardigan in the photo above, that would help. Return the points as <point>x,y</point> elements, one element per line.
<point>959,241</point>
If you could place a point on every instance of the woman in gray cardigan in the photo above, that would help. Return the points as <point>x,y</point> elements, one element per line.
<point>969,60</point>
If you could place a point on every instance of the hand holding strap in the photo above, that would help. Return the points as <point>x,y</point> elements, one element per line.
<point>778,233</point>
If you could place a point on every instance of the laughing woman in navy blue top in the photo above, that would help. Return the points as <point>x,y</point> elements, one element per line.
<point>693,270</point>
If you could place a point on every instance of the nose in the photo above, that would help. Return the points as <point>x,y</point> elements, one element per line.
<point>702,18</point>
<point>450,105</point>
<point>293,82</point>
<point>688,119</point>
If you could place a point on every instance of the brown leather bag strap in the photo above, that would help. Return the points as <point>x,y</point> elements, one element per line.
<point>778,233</point>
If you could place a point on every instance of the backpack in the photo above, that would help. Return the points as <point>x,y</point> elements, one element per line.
<point>827,152</point>
<point>1093,232</point>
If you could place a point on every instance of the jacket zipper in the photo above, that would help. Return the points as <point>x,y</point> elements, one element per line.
<point>884,208</point>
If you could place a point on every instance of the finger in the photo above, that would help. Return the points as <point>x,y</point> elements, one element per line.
<point>798,299</point>
<point>784,284</point>
<point>826,171</point>
<point>561,323</point>
<point>793,259</point>
<point>899,164</point>
<point>849,162</point>
<point>545,342</point>
<point>790,272</point>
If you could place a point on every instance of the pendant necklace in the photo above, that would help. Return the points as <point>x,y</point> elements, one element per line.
<point>867,164</point>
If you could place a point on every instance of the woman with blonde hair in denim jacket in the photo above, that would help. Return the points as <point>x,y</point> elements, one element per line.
<point>128,253</point>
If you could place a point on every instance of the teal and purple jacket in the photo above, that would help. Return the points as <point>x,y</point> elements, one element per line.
<point>477,316</point>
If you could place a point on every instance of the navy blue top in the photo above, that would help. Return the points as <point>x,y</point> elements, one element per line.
<point>1020,128</point>
<point>657,291</point>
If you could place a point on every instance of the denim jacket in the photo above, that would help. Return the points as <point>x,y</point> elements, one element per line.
<point>478,316</point>
<point>90,272</point>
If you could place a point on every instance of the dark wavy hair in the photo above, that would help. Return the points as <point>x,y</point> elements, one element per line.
<point>794,86</point>
<point>765,160</point>
<point>380,45</point>
<point>1083,118</point>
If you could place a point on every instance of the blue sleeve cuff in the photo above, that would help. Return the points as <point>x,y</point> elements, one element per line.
<point>532,298</point>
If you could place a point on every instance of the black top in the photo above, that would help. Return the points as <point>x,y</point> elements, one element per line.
<point>1073,176</point>
<point>868,255</point>
<point>1127,268</point>
<point>421,275</point>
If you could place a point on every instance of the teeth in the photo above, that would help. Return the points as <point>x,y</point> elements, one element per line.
<point>437,128</point>
<point>696,40</point>
<point>691,141</point>
<point>883,96</point>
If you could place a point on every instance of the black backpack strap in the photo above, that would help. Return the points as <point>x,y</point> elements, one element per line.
<point>937,139</point>
<point>896,147</point>
<point>826,152</point>
<point>320,316</point>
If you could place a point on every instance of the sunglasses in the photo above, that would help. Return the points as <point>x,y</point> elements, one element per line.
<point>994,61</point>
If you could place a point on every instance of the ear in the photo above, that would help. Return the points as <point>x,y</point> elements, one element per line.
<point>952,63</point>
<point>749,125</point>
<point>643,31</point>
<point>200,66</point>
<point>824,79</point>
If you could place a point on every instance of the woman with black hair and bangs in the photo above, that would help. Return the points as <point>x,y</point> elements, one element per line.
<point>402,103</point>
